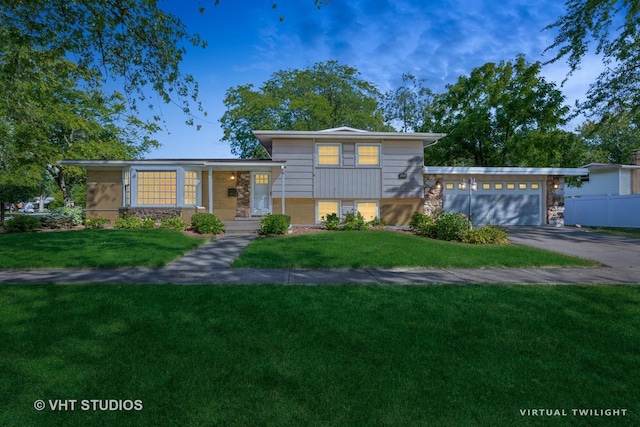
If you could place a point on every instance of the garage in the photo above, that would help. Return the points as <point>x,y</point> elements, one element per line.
<point>496,203</point>
<point>499,195</point>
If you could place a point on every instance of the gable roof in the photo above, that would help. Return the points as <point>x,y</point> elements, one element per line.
<point>344,133</point>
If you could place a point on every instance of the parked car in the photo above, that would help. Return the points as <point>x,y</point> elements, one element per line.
<point>27,208</point>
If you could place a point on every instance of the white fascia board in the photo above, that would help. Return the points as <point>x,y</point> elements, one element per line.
<point>453,170</point>
<point>266,136</point>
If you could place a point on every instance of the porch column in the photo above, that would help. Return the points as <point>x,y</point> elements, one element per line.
<point>282,168</point>
<point>210,190</point>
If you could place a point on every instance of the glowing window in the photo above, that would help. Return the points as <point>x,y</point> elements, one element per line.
<point>157,187</point>
<point>449,186</point>
<point>261,178</point>
<point>191,188</point>
<point>486,186</point>
<point>368,155</point>
<point>369,210</point>
<point>497,186</point>
<point>329,154</point>
<point>461,186</point>
<point>522,186</point>
<point>535,186</point>
<point>326,208</point>
<point>127,188</point>
<point>511,186</point>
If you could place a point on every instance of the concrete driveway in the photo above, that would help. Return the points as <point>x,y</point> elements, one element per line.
<point>612,251</point>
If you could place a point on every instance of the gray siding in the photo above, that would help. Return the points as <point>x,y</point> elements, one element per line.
<point>304,180</point>
<point>355,183</point>
<point>402,157</point>
<point>299,172</point>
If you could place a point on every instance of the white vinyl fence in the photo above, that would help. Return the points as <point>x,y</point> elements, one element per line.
<point>603,211</point>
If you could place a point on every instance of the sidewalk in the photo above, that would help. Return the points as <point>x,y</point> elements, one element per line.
<point>210,264</point>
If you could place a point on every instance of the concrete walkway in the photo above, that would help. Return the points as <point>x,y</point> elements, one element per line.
<point>210,263</point>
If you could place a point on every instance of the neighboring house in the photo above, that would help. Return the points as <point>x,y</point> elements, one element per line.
<point>314,173</point>
<point>608,179</point>
<point>608,197</point>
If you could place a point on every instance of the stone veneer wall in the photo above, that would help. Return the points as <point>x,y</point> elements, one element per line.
<point>157,214</point>
<point>555,200</point>
<point>243,187</point>
<point>433,194</point>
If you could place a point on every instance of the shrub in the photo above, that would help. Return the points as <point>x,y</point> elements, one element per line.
<point>377,222</point>
<point>148,223</point>
<point>65,217</point>
<point>175,223</point>
<point>486,235</point>
<point>275,224</point>
<point>451,226</point>
<point>331,222</point>
<point>354,221</point>
<point>422,224</point>
<point>128,223</point>
<point>97,222</point>
<point>206,223</point>
<point>22,224</point>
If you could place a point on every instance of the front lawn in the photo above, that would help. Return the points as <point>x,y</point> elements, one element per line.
<point>340,355</point>
<point>94,248</point>
<point>387,249</point>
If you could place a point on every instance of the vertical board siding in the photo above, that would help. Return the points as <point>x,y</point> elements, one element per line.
<point>357,183</point>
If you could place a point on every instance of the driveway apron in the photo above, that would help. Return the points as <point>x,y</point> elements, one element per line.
<point>612,251</point>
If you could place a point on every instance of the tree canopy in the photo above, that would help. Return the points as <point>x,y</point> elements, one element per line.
<point>502,114</point>
<point>615,27</point>
<point>326,95</point>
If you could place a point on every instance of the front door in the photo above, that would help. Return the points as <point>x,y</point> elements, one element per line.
<point>260,193</point>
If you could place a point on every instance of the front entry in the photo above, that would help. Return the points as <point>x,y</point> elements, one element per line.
<point>260,193</point>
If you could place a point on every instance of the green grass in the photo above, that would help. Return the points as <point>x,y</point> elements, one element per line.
<point>618,231</point>
<point>388,249</point>
<point>340,355</point>
<point>94,248</point>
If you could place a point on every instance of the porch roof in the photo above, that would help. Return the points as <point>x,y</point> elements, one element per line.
<point>217,164</point>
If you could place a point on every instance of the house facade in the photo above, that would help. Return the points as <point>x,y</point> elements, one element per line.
<point>315,173</point>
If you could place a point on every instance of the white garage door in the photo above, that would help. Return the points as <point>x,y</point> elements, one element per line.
<point>497,203</point>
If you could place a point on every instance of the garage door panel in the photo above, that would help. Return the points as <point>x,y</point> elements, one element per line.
<point>497,209</point>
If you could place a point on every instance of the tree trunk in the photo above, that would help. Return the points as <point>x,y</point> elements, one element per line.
<point>2,206</point>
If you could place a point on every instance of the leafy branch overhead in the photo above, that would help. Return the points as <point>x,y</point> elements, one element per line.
<point>614,26</point>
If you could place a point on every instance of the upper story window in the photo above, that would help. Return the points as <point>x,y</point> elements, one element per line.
<point>368,154</point>
<point>328,154</point>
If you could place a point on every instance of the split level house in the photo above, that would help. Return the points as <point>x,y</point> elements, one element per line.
<point>315,173</point>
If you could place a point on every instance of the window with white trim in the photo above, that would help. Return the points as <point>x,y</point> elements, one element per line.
<point>191,182</point>
<point>157,187</point>
<point>369,210</point>
<point>151,186</point>
<point>328,154</point>
<point>368,154</point>
<point>326,207</point>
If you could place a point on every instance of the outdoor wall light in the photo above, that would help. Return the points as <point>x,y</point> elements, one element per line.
<point>233,176</point>
<point>402,175</point>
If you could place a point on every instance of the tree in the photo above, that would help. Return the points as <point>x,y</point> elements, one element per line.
<point>615,26</point>
<point>493,113</point>
<point>405,105</point>
<point>60,120</point>
<point>325,96</point>
<point>612,139</point>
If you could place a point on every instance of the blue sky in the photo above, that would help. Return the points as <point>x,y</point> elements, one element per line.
<point>436,40</point>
